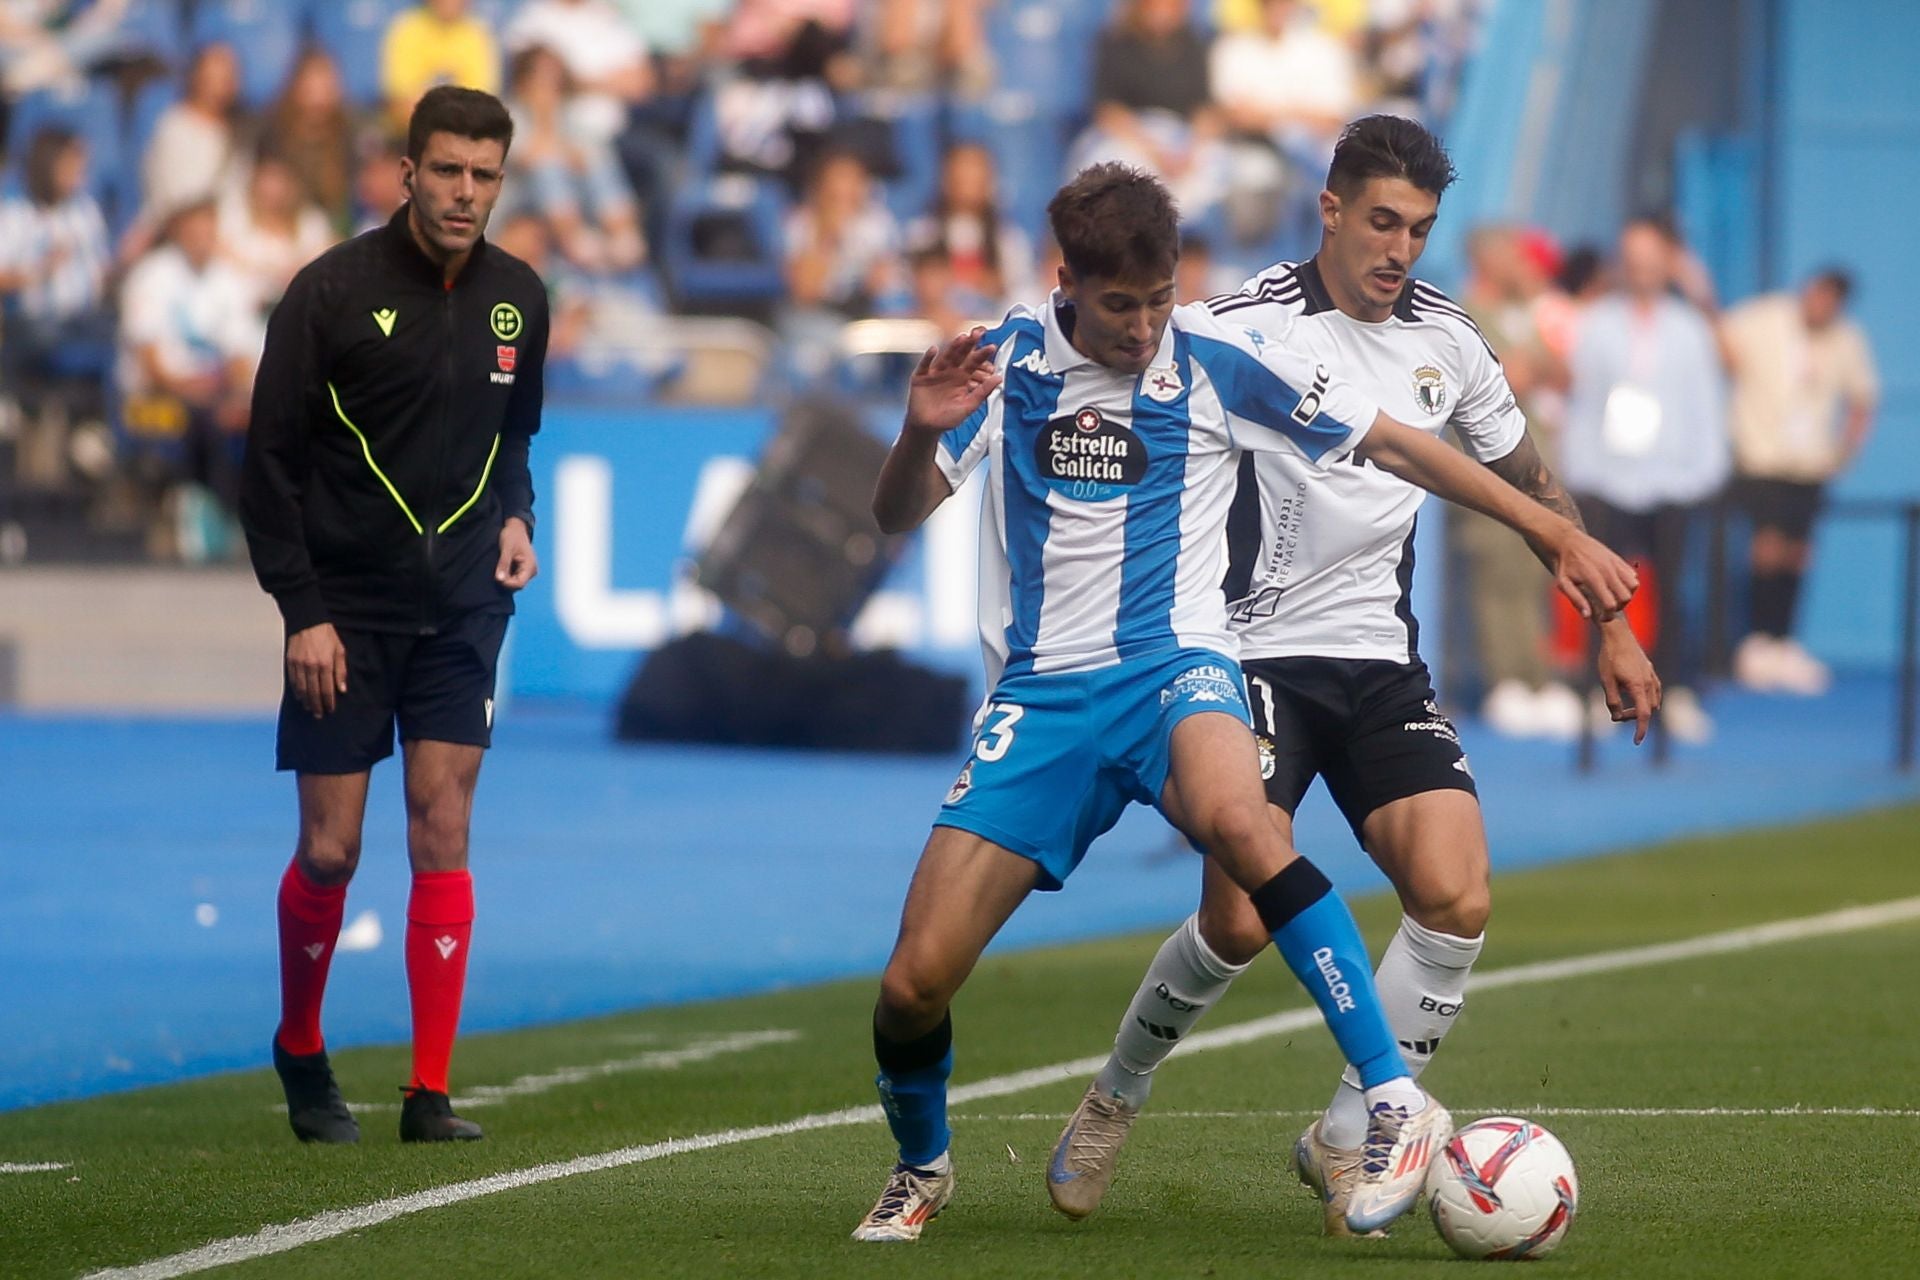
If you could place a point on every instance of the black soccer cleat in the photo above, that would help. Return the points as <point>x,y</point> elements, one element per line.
<point>427,1116</point>
<point>315,1108</point>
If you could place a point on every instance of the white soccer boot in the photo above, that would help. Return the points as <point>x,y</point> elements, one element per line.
<point>1328,1172</point>
<point>1393,1162</point>
<point>1088,1151</point>
<point>913,1198</point>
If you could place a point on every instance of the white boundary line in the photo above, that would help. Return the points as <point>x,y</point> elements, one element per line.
<point>286,1236</point>
<point>1528,1110</point>
<point>45,1166</point>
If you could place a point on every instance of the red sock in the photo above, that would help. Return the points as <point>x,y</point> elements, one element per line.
<point>439,927</point>
<point>309,926</point>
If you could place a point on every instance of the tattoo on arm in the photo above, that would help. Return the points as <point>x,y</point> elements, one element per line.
<point>1528,472</point>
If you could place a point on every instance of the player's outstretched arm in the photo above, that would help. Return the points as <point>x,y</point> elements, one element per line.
<point>950,383</point>
<point>1594,579</point>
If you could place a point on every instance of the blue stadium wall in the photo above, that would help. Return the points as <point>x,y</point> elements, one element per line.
<point>1786,134</point>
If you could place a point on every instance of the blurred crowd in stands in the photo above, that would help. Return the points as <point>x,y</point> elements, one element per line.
<point>851,176</point>
<point>803,164</point>
<point>1660,410</point>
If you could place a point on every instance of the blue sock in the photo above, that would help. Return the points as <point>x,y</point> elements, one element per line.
<point>1322,945</point>
<point>913,1090</point>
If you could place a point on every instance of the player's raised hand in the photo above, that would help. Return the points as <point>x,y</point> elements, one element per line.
<point>950,382</point>
<point>1631,684</point>
<point>1597,582</point>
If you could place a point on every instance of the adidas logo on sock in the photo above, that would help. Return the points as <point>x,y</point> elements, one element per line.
<point>1157,1031</point>
<point>314,949</point>
<point>446,946</point>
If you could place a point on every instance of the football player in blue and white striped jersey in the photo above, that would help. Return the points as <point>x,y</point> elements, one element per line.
<point>1113,423</point>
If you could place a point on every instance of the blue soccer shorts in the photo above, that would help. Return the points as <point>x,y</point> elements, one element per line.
<point>1059,757</point>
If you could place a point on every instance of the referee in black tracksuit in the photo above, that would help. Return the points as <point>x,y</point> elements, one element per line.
<point>389,511</point>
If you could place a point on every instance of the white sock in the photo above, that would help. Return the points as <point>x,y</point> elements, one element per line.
<point>1422,981</point>
<point>1184,980</point>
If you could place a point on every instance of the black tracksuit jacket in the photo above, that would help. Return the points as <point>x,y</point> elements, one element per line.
<point>391,421</point>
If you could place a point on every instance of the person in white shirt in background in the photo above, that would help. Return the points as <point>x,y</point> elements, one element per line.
<point>1804,393</point>
<point>1646,449</point>
<point>54,254</point>
<point>190,339</point>
<point>269,229</point>
<point>192,150</point>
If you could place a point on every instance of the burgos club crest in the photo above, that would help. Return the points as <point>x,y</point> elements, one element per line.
<point>1088,457</point>
<point>1430,388</point>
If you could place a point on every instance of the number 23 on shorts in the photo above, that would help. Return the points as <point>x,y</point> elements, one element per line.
<point>996,734</point>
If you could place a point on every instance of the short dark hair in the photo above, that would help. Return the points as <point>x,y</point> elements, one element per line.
<point>1115,222</point>
<point>465,113</point>
<point>1836,278</point>
<point>1389,147</point>
<point>48,145</point>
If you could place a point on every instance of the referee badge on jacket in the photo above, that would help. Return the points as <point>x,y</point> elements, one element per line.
<point>1430,388</point>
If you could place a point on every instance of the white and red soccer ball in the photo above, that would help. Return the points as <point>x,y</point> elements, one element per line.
<point>1503,1188</point>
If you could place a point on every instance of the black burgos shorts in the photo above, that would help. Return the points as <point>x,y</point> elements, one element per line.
<point>435,687</point>
<point>1369,727</point>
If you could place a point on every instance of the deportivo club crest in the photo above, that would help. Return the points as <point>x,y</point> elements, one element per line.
<point>1430,388</point>
<point>1161,385</point>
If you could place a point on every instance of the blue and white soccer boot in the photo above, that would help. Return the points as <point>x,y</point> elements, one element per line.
<point>1088,1152</point>
<point>913,1198</point>
<point>1393,1162</point>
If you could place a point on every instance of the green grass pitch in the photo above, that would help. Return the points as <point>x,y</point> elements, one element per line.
<point>1742,1190</point>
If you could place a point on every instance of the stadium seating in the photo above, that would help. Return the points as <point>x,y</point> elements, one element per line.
<point>92,112</point>
<point>352,31</point>
<point>265,33</point>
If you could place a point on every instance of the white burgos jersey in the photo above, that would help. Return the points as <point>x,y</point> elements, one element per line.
<point>1101,536</point>
<point>1321,559</point>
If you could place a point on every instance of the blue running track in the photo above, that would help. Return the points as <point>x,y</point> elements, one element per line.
<point>612,877</point>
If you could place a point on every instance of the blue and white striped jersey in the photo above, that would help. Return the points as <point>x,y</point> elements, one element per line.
<point>1102,537</point>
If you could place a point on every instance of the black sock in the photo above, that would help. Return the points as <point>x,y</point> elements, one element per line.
<point>1299,885</point>
<point>898,1057</point>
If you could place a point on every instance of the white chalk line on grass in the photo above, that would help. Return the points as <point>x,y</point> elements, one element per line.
<point>286,1236</point>
<point>44,1166</point>
<point>704,1049</point>
<point>1528,1110</point>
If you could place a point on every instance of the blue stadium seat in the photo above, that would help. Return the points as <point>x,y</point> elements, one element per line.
<point>1028,151</point>
<point>352,30</point>
<point>265,33</point>
<point>154,97</point>
<point>755,208</point>
<point>155,27</point>
<point>1043,49</point>
<point>916,122</point>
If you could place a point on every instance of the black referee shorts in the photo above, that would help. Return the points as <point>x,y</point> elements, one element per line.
<point>438,688</point>
<point>1369,727</point>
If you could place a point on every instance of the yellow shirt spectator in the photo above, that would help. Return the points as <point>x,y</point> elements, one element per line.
<point>436,44</point>
<point>1337,17</point>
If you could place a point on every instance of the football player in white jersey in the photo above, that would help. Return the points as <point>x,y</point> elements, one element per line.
<point>1113,423</point>
<point>1320,570</point>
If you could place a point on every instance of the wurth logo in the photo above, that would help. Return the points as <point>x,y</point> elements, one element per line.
<point>446,945</point>
<point>1336,981</point>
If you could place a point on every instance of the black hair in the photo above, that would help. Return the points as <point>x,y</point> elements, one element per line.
<point>1115,222</point>
<point>1836,278</point>
<point>465,113</point>
<point>1389,147</point>
<point>48,145</point>
<point>1582,265</point>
